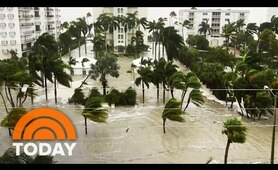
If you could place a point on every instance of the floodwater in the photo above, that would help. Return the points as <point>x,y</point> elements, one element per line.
<point>135,135</point>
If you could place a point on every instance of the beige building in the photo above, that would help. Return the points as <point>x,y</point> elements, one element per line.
<point>20,26</point>
<point>119,35</point>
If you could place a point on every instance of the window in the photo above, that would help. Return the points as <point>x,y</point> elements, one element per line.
<point>37,14</point>
<point>38,28</point>
<point>2,16</point>
<point>227,14</point>
<point>119,36</point>
<point>119,10</point>
<point>205,19</point>
<point>3,34</point>
<point>5,51</point>
<point>122,30</point>
<point>11,25</point>
<point>10,16</point>
<point>228,20</point>
<point>122,36</point>
<point>241,14</point>
<point>12,34</point>
<point>3,25</point>
<point>4,42</point>
<point>12,42</point>
<point>122,10</point>
<point>205,13</point>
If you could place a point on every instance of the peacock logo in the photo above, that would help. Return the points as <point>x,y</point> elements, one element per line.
<point>44,124</point>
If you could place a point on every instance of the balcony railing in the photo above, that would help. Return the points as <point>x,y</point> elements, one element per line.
<point>49,9</point>
<point>52,28</point>
<point>49,16</point>
<point>28,32</point>
<point>28,40</point>
<point>37,16</point>
<point>25,16</point>
<point>26,24</point>
<point>25,8</point>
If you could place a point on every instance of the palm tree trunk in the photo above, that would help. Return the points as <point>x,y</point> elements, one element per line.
<point>172,93</point>
<point>143,91</point>
<point>163,95</point>
<point>83,82</point>
<point>155,50</point>
<point>4,102</point>
<point>85,44</point>
<point>6,92</point>
<point>104,88</point>
<point>158,50</point>
<point>187,104</point>
<point>162,50</point>
<point>164,121</point>
<point>86,129</point>
<point>182,33</point>
<point>153,45</point>
<point>79,48</point>
<point>157,92</point>
<point>11,97</point>
<point>45,83</point>
<point>55,90</point>
<point>25,97</point>
<point>69,52</point>
<point>226,151</point>
<point>182,97</point>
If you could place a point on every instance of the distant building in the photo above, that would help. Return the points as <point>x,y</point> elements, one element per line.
<point>271,12</point>
<point>217,18</point>
<point>21,26</point>
<point>119,37</point>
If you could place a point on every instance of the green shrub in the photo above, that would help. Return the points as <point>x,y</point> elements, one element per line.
<point>11,119</point>
<point>120,48</point>
<point>78,97</point>
<point>130,96</point>
<point>115,97</point>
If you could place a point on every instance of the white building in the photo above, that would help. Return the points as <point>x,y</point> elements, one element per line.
<point>270,12</point>
<point>119,37</point>
<point>20,26</point>
<point>217,18</point>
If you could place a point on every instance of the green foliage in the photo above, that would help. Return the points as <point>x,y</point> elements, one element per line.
<point>9,157</point>
<point>120,48</point>
<point>235,130</point>
<point>130,96</point>
<point>130,49</point>
<point>11,119</point>
<point>78,97</point>
<point>121,98</point>
<point>93,110</point>
<point>198,41</point>
<point>172,111</point>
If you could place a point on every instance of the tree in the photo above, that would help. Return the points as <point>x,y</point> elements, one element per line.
<point>228,31</point>
<point>172,15</point>
<point>75,31</point>
<point>93,110</point>
<point>186,25</point>
<point>99,43</point>
<point>144,79</point>
<point>172,42</point>
<point>106,65</point>
<point>66,41</point>
<point>172,111</point>
<point>236,133</point>
<point>205,28</point>
<point>83,27</point>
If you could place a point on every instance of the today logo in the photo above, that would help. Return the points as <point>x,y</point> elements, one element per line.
<point>44,124</point>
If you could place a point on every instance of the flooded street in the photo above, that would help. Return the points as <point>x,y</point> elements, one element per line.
<point>135,135</point>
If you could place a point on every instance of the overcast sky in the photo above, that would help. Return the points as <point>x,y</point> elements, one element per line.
<point>257,14</point>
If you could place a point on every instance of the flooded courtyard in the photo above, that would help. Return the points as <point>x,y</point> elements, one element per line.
<point>135,135</point>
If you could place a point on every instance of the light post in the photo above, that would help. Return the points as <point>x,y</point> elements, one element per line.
<point>274,125</point>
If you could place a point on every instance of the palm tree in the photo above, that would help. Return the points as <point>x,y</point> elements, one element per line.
<point>65,40</point>
<point>152,27</point>
<point>94,111</point>
<point>228,31</point>
<point>60,75</point>
<point>99,43</point>
<point>172,42</point>
<point>236,133</point>
<point>205,28</point>
<point>106,65</point>
<point>172,111</point>
<point>76,33</point>
<point>143,22</point>
<point>43,52</point>
<point>157,74</point>
<point>83,27</point>
<point>114,24</point>
<point>186,25</point>
<point>144,79</point>
<point>172,15</point>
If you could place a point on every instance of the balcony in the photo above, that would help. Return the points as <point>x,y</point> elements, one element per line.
<point>26,49</point>
<point>26,24</point>
<point>50,22</point>
<point>38,30</point>
<point>25,8</point>
<point>49,9</point>
<point>52,28</point>
<point>28,32</point>
<point>37,16</point>
<point>27,40</point>
<point>25,16</point>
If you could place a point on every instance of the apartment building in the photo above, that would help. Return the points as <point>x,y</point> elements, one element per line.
<point>21,26</point>
<point>216,18</point>
<point>119,36</point>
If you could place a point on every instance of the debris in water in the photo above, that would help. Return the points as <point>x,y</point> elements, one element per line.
<point>127,130</point>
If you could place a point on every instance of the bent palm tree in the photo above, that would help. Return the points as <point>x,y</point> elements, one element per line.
<point>172,111</point>
<point>93,110</point>
<point>236,133</point>
<point>144,79</point>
